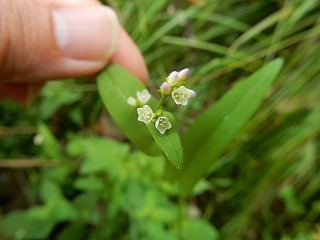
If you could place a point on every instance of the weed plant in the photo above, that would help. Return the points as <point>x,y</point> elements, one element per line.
<point>68,172</point>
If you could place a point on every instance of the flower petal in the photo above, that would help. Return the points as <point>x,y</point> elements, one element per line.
<point>145,114</point>
<point>181,95</point>
<point>162,124</point>
<point>143,96</point>
<point>192,93</point>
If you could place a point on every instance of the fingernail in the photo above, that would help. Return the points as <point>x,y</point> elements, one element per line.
<point>86,33</point>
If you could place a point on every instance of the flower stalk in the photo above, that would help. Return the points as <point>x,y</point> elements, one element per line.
<point>163,97</point>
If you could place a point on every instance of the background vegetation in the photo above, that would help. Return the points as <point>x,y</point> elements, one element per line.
<point>67,171</point>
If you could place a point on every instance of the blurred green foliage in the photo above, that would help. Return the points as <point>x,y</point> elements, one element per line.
<point>265,185</point>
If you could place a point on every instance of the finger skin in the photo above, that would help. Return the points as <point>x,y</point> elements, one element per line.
<point>130,57</point>
<point>22,92</point>
<point>29,52</point>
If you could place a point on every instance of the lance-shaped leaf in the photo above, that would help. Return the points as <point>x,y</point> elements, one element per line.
<point>214,129</point>
<point>169,142</point>
<point>115,86</point>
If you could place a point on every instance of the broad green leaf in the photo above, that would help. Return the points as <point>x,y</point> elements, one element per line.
<point>85,204</point>
<point>169,142</point>
<point>208,137</point>
<point>89,184</point>
<point>56,94</point>
<point>49,190</point>
<point>74,231</point>
<point>18,225</point>
<point>116,85</point>
<point>50,144</point>
<point>100,155</point>
<point>199,229</point>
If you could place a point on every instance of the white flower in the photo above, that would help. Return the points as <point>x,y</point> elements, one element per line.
<point>173,79</point>
<point>132,101</point>
<point>182,94</point>
<point>143,96</point>
<point>145,114</point>
<point>162,124</point>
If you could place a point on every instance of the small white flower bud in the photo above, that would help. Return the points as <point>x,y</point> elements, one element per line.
<point>38,140</point>
<point>132,101</point>
<point>173,79</point>
<point>165,88</point>
<point>183,74</point>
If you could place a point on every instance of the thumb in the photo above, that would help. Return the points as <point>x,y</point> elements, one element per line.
<point>55,39</point>
<point>52,39</point>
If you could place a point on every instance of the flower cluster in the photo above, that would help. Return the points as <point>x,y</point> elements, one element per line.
<point>173,86</point>
<point>146,115</point>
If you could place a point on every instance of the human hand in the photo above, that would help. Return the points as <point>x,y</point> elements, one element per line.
<point>55,39</point>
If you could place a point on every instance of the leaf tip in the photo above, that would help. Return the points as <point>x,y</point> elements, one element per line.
<point>177,165</point>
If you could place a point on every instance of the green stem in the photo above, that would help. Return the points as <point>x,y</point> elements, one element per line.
<point>163,97</point>
<point>180,218</point>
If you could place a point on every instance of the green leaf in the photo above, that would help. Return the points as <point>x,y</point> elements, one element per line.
<point>100,155</point>
<point>74,231</point>
<point>115,86</point>
<point>169,142</point>
<point>199,229</point>
<point>56,94</point>
<point>18,225</point>
<point>86,205</point>
<point>50,144</point>
<point>49,190</point>
<point>208,137</point>
<point>89,184</point>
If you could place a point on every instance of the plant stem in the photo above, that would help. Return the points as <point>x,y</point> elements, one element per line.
<point>163,97</point>
<point>180,218</point>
